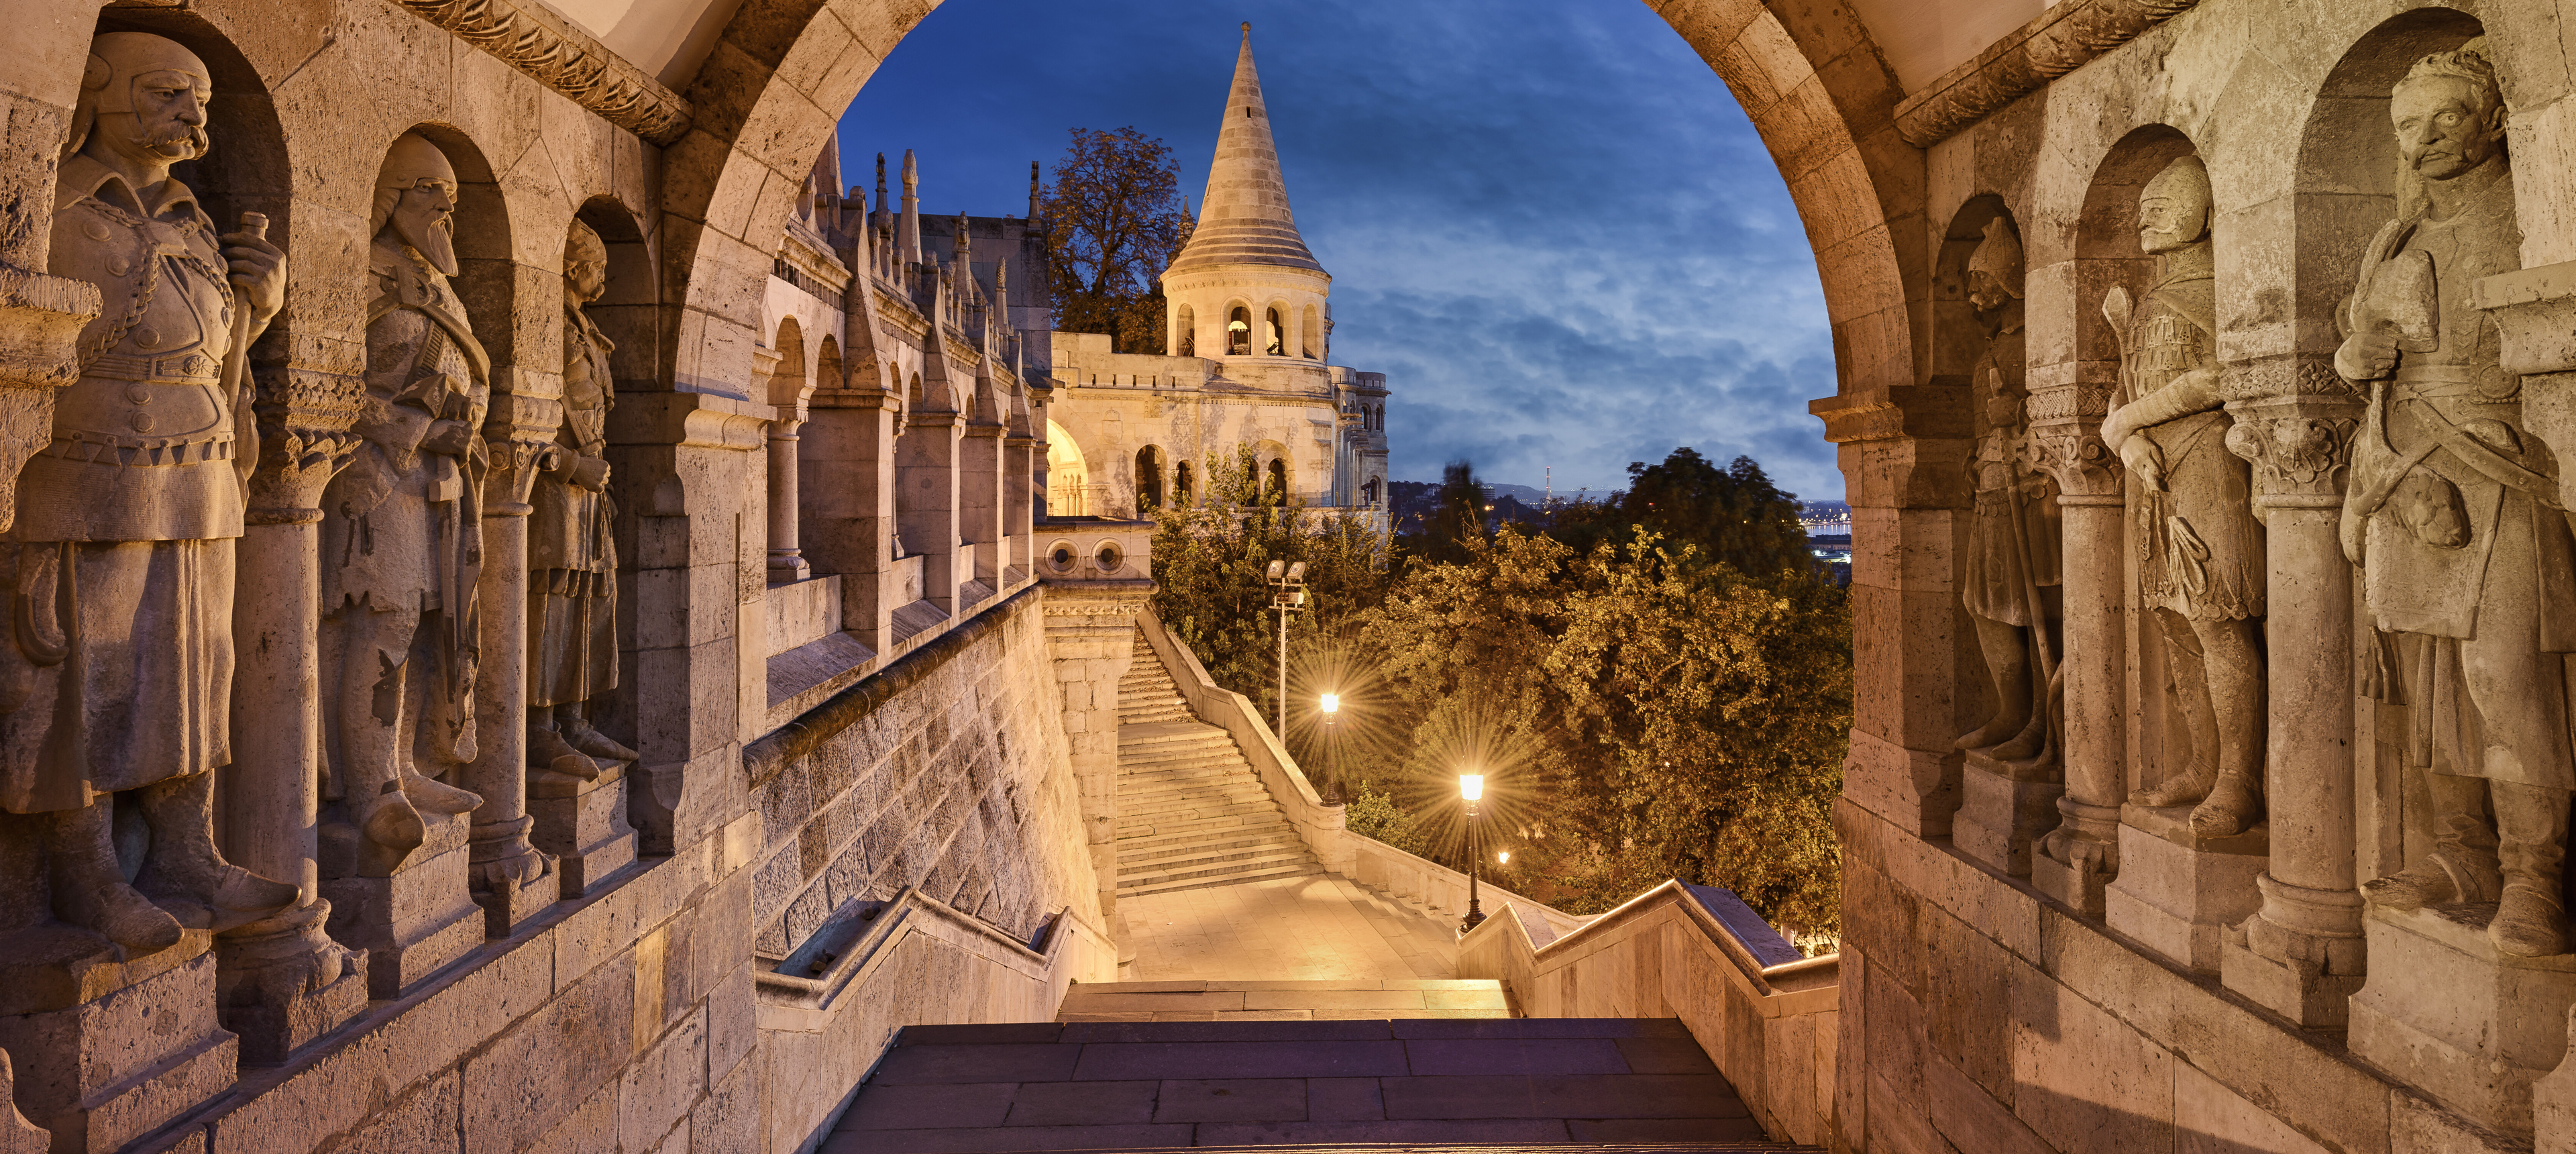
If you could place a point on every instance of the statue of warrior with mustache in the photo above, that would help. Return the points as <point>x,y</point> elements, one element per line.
<point>117,676</point>
<point>402,529</point>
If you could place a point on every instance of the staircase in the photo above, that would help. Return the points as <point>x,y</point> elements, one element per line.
<point>1191,811</point>
<point>1413,1085</point>
<point>1230,1001</point>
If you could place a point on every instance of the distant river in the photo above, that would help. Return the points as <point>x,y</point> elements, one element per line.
<point>1830,529</point>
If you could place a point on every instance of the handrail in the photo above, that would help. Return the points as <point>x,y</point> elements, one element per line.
<point>862,954</point>
<point>1319,825</point>
<point>1754,1006</point>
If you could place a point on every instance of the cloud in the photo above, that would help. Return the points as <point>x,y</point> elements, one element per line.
<point>1547,221</point>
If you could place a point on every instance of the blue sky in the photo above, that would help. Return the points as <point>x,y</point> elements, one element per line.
<point>1547,221</point>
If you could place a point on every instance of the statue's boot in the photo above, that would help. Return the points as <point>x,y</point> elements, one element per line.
<point>2026,744</point>
<point>436,796</point>
<point>1999,729</point>
<point>2531,921</point>
<point>89,889</point>
<point>576,730</point>
<point>392,826</point>
<point>2231,808</point>
<point>2185,788</point>
<point>186,864</point>
<point>2462,866</point>
<point>548,750</point>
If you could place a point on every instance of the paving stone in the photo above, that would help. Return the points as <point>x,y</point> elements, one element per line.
<point>1665,1056</point>
<point>1299,1059</point>
<point>1230,1029</point>
<point>1083,1103</point>
<point>1332,1000</point>
<point>1573,1096</point>
<point>1481,1130</point>
<point>1230,1100</point>
<point>998,1063</point>
<point>1343,1100</point>
<point>977,1141</point>
<point>1464,1000</point>
<point>1159,1003</point>
<point>1539,1056</point>
<point>1671,1130</point>
<point>933,1105</point>
<point>991,1034</point>
<point>1545,1028</point>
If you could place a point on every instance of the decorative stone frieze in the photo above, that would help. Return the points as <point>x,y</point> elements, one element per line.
<point>534,40</point>
<point>2053,44</point>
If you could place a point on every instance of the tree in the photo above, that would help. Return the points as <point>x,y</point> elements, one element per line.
<point>1114,221</point>
<point>1734,516</point>
<point>1459,516</point>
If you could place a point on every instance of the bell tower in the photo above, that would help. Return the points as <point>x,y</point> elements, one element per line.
<point>1245,285</point>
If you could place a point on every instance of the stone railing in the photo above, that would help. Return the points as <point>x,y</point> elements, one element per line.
<point>1766,1016</point>
<point>830,1009</point>
<point>1363,859</point>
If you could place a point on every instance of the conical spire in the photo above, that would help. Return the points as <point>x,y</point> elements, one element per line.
<point>908,237</point>
<point>1244,218</point>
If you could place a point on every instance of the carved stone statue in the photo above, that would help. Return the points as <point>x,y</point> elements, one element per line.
<point>2455,518</point>
<point>402,528</point>
<point>572,559</point>
<point>2010,585</point>
<point>118,675</point>
<point>2199,549</point>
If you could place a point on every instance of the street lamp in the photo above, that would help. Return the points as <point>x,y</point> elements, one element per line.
<point>1471,786</point>
<point>1288,595</point>
<point>1332,706</point>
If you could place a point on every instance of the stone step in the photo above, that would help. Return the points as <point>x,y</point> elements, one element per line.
<point>1172,735</point>
<point>1153,713</point>
<point>1217,863</point>
<point>1173,774</point>
<point>1280,1066</point>
<point>1196,808</point>
<point>1296,870</point>
<point>1198,849</point>
<point>1180,762</point>
<point>1183,827</point>
<point>1144,754</point>
<point>1277,827</point>
<point>1152,798</point>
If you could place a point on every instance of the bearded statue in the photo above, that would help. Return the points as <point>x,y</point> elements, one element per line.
<point>117,677</point>
<point>402,529</point>
<point>572,556</point>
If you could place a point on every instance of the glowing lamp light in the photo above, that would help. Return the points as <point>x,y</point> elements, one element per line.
<point>1503,858</point>
<point>1471,786</point>
<point>1332,703</point>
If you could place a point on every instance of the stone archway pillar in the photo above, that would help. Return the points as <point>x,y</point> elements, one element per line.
<point>2083,855</point>
<point>513,880</point>
<point>2301,955</point>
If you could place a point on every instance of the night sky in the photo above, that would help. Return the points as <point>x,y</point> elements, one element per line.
<point>1547,221</point>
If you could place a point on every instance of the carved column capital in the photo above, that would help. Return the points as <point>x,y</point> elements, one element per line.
<point>2087,472</point>
<point>2300,452</point>
<point>304,413</point>
<point>519,431</point>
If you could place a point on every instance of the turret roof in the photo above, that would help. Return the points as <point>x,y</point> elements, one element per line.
<point>1244,218</point>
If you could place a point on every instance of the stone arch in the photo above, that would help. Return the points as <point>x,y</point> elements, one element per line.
<point>247,170</point>
<point>1814,86</point>
<point>1274,329</point>
<point>1310,334</point>
<point>1149,478</point>
<point>1184,483</point>
<point>789,384</point>
<point>2107,255</point>
<point>1185,331</point>
<point>1956,340</point>
<point>1238,329</point>
<point>629,312</point>
<point>827,366</point>
<point>1068,473</point>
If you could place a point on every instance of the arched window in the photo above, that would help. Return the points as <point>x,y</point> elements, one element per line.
<point>1310,335</point>
<point>1181,482</point>
<point>1278,338</point>
<point>1238,333</point>
<point>1185,333</point>
<point>1149,479</point>
<point>915,395</point>
<point>1368,492</point>
<point>1278,490</point>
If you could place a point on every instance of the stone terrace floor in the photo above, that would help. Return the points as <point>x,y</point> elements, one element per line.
<point>1314,928</point>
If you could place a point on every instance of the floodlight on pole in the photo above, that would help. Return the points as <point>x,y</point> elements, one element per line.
<point>1471,788</point>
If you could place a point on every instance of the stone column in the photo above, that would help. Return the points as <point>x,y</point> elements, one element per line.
<point>1019,456</point>
<point>2081,857</point>
<point>513,880</point>
<point>1091,635</point>
<point>845,459</point>
<point>281,980</point>
<point>786,561</point>
<point>926,502</point>
<point>979,502</point>
<point>2301,955</point>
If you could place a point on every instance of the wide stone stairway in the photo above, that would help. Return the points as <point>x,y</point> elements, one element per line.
<point>1408,1084</point>
<point>1192,812</point>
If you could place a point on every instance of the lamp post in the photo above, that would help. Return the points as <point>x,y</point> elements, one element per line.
<point>1471,786</point>
<point>1288,595</point>
<point>1332,706</point>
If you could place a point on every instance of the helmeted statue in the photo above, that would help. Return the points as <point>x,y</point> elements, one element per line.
<point>118,675</point>
<point>2455,517</point>
<point>2010,585</point>
<point>402,528</point>
<point>572,556</point>
<point>2199,549</point>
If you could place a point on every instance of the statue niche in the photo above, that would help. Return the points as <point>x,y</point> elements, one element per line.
<point>402,530</point>
<point>116,683</point>
<point>2456,520</point>
<point>2011,584</point>
<point>572,556</point>
<point>2198,547</point>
